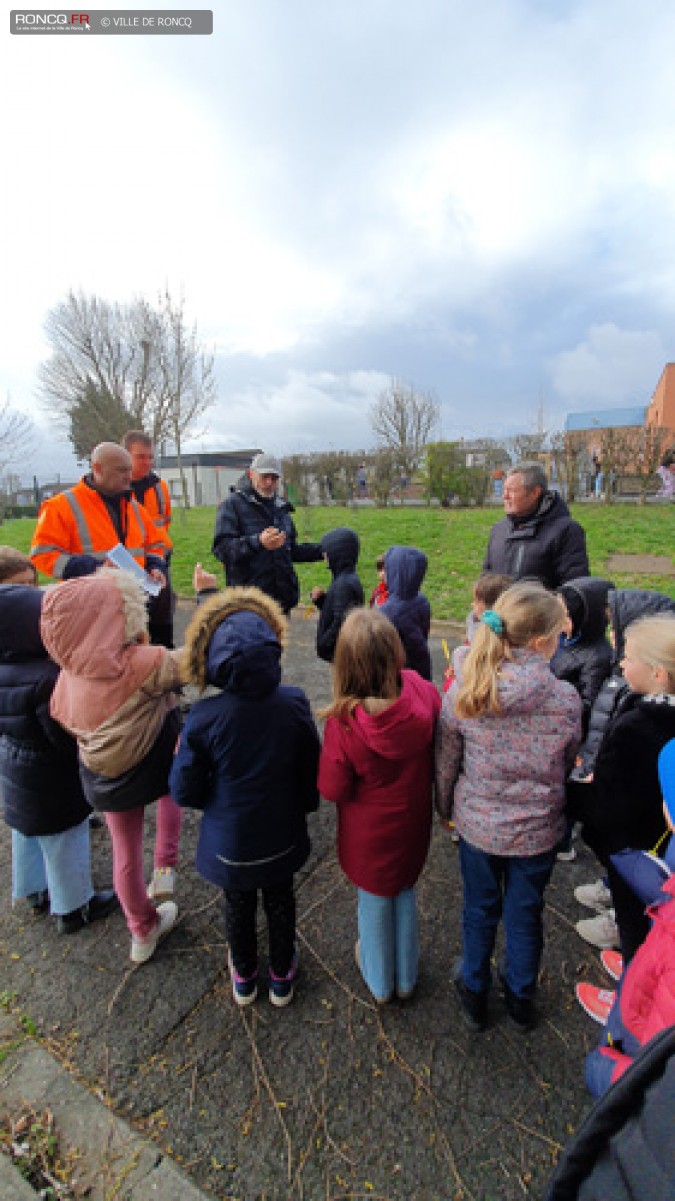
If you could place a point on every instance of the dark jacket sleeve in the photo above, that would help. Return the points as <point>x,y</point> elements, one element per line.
<point>626,785</point>
<point>593,671</point>
<point>304,552</point>
<point>341,596</point>
<point>230,544</point>
<point>191,772</point>
<point>571,557</point>
<point>308,755</point>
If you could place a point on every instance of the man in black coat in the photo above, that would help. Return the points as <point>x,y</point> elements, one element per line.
<point>255,538</point>
<point>537,538</point>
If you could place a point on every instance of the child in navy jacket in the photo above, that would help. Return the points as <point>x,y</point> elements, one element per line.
<point>248,758</point>
<point>406,607</point>
<point>340,548</point>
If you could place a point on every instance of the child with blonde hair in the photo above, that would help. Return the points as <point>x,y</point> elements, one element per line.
<point>507,737</point>
<point>377,766</point>
<point>115,694</point>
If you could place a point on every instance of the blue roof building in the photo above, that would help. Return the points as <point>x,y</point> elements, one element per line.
<point>603,419</point>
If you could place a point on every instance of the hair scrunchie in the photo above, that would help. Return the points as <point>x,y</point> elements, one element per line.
<point>494,621</point>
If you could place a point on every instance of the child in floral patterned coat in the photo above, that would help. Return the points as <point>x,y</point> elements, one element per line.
<point>506,739</point>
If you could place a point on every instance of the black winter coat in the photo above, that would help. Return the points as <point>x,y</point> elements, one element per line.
<point>248,758</point>
<point>625,605</point>
<point>625,1150</point>
<point>341,548</point>
<point>406,607</point>
<point>585,660</point>
<point>240,521</point>
<point>39,777</point>
<point>548,545</point>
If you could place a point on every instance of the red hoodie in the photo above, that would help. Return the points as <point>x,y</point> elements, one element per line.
<point>378,769</point>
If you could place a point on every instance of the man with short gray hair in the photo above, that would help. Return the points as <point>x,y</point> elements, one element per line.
<point>536,538</point>
<point>255,538</point>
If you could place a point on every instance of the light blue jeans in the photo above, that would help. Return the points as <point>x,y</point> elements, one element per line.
<point>59,863</point>
<point>388,942</point>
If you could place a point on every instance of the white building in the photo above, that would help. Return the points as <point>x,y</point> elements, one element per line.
<point>210,475</point>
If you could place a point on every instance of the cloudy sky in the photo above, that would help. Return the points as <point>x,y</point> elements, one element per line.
<point>475,197</point>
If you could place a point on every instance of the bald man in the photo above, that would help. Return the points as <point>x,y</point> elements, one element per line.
<point>76,528</point>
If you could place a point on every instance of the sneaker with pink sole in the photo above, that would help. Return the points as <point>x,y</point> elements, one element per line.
<point>612,961</point>
<point>596,1002</point>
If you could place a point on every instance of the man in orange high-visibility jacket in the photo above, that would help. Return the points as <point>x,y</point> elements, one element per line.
<point>153,493</point>
<point>76,528</point>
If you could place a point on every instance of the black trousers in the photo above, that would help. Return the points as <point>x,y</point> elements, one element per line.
<point>240,926</point>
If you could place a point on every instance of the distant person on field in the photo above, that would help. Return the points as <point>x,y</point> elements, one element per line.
<point>536,538</point>
<point>255,538</point>
<point>340,549</point>
<point>153,493</point>
<point>406,607</point>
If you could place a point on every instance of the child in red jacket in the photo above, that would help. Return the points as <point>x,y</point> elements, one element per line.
<point>377,766</point>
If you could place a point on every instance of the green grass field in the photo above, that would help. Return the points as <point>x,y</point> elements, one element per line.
<point>453,540</point>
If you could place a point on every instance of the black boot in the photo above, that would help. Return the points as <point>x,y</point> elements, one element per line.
<point>521,1010</point>
<point>100,905</point>
<point>38,901</point>
<point>473,1005</point>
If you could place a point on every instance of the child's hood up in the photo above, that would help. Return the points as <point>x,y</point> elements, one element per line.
<point>84,629</point>
<point>341,548</point>
<point>20,606</point>
<point>627,605</point>
<point>406,726</point>
<point>405,568</point>
<point>586,600</point>
<point>234,642</point>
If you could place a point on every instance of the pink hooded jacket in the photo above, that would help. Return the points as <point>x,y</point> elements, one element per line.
<point>113,695</point>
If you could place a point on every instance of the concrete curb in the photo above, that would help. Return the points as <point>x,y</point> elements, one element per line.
<point>114,1159</point>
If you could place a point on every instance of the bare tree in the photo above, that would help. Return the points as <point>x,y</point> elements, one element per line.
<point>617,449</point>
<point>142,356</point>
<point>17,435</point>
<point>570,458</point>
<point>402,420</point>
<point>384,474</point>
<point>636,452</point>
<point>524,447</point>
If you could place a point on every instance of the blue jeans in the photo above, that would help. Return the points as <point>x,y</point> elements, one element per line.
<point>59,863</point>
<point>388,942</point>
<point>513,884</point>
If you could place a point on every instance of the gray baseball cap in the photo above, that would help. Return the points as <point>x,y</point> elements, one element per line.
<point>266,465</point>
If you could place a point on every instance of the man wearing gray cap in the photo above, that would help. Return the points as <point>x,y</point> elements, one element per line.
<point>255,538</point>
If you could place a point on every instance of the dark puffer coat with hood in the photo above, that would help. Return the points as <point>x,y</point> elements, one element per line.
<point>248,757</point>
<point>625,605</point>
<point>584,659</point>
<point>546,545</point>
<point>39,776</point>
<point>341,548</point>
<point>405,568</point>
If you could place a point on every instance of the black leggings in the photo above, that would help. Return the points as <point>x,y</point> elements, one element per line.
<point>240,923</point>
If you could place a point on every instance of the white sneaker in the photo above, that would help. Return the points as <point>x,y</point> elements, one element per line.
<point>601,931</point>
<point>143,949</point>
<point>594,896</point>
<point>162,884</point>
<point>566,856</point>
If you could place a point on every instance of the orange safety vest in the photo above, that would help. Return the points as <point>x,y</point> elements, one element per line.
<point>77,522</point>
<point>157,501</point>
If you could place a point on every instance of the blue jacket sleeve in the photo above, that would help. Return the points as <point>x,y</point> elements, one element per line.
<point>191,773</point>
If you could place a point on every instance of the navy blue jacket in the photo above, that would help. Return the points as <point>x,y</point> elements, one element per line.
<point>248,758</point>
<point>39,777</point>
<point>405,568</point>
<point>240,521</point>
<point>585,659</point>
<point>341,548</point>
<point>548,545</point>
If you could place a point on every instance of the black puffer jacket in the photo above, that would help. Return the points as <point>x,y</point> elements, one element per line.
<point>625,1150</point>
<point>625,606</point>
<point>548,545</point>
<point>240,521</point>
<point>341,548</point>
<point>585,659</point>
<point>39,776</point>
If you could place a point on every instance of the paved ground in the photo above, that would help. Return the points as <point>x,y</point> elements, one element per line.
<point>330,1099</point>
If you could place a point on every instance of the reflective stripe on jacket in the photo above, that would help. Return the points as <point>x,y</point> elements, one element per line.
<point>77,522</point>
<point>157,500</point>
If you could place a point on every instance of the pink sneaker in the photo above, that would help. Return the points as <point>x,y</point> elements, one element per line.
<point>596,1002</point>
<point>612,961</point>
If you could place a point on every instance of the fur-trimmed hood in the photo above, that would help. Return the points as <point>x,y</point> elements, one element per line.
<point>234,641</point>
